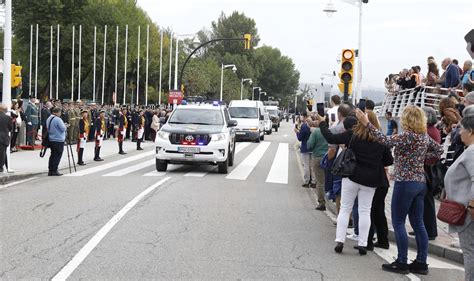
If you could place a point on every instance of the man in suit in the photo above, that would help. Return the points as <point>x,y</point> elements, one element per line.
<point>6,127</point>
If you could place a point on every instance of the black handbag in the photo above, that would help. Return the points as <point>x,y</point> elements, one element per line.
<point>345,163</point>
<point>435,177</point>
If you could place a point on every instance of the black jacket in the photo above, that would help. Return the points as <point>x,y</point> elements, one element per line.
<point>5,128</point>
<point>371,157</point>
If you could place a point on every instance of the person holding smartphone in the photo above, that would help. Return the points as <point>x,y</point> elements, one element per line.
<point>303,134</point>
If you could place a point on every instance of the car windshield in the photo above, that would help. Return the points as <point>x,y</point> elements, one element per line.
<point>273,112</point>
<point>197,116</point>
<point>243,112</point>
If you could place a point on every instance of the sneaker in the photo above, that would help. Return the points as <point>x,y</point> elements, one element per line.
<point>418,268</point>
<point>313,185</point>
<point>353,237</point>
<point>305,185</point>
<point>368,248</point>
<point>321,208</point>
<point>396,267</point>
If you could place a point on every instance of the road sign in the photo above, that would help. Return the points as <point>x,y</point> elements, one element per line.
<point>175,97</point>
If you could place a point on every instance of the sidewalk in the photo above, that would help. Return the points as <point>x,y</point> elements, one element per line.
<point>440,247</point>
<point>27,163</point>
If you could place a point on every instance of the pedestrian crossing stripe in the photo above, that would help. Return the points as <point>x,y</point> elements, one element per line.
<point>278,172</point>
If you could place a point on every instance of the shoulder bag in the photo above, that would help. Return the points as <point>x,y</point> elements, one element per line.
<point>345,163</point>
<point>452,212</point>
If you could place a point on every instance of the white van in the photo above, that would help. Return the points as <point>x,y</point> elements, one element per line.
<point>250,119</point>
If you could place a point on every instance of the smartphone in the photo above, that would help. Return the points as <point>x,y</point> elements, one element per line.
<point>333,117</point>
<point>362,104</point>
<point>320,108</point>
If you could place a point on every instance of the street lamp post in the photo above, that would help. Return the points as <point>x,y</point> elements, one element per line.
<point>260,93</point>
<point>225,66</point>
<point>242,86</point>
<point>330,9</point>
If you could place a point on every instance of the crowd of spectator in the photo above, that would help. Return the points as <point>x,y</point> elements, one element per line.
<point>432,157</point>
<point>453,77</point>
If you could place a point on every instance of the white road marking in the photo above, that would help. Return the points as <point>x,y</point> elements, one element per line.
<point>154,174</point>
<point>130,169</point>
<point>110,165</point>
<point>95,240</point>
<point>279,170</point>
<point>238,148</point>
<point>245,168</point>
<point>17,182</point>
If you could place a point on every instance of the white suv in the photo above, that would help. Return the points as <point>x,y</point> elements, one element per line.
<point>201,133</point>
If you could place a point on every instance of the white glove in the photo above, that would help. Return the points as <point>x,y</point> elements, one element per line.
<point>29,123</point>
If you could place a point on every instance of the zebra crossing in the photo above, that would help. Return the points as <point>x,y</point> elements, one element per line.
<point>141,164</point>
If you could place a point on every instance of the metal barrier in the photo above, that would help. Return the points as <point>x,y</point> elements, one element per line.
<point>421,96</point>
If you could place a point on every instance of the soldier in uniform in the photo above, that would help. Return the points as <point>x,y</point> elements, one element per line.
<point>77,113</point>
<point>31,114</point>
<point>122,128</point>
<point>140,129</point>
<point>93,117</point>
<point>83,134</point>
<point>100,130</point>
<point>72,119</point>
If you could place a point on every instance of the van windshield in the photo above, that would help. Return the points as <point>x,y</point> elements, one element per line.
<point>243,112</point>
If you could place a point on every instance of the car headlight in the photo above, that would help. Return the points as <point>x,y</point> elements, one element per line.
<point>163,135</point>
<point>218,137</point>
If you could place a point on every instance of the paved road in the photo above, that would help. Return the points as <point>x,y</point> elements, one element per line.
<point>119,219</point>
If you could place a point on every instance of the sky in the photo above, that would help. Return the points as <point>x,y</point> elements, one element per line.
<point>395,34</point>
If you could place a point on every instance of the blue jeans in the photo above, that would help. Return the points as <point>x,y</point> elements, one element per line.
<point>408,199</point>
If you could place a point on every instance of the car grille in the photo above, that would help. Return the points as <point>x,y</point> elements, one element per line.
<point>197,139</point>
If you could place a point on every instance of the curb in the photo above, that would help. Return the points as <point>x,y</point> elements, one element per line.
<point>16,177</point>
<point>434,249</point>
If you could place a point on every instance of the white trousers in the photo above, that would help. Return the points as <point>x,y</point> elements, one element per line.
<point>350,190</point>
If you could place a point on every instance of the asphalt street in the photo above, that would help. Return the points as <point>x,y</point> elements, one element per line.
<point>120,219</point>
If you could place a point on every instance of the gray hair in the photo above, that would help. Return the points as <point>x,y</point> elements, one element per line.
<point>468,111</point>
<point>470,98</point>
<point>468,123</point>
<point>431,118</point>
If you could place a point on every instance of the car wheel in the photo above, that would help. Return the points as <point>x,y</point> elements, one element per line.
<point>257,140</point>
<point>161,166</point>
<point>262,137</point>
<point>276,129</point>
<point>231,156</point>
<point>224,166</point>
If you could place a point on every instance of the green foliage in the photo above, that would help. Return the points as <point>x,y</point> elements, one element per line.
<point>275,73</point>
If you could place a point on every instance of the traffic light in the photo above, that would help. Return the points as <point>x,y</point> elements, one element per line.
<point>347,70</point>
<point>309,104</point>
<point>247,40</point>
<point>15,75</point>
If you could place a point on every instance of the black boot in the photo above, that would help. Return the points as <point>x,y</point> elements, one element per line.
<point>139,142</point>
<point>80,154</point>
<point>97,153</point>
<point>121,149</point>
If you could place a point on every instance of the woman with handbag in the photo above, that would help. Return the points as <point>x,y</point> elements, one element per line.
<point>412,147</point>
<point>459,186</point>
<point>368,174</point>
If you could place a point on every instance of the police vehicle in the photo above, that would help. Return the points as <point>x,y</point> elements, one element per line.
<point>197,133</point>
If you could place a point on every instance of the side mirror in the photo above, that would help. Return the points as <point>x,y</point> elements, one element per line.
<point>162,120</point>
<point>262,117</point>
<point>232,123</point>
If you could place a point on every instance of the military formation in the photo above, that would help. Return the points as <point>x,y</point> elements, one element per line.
<point>89,124</point>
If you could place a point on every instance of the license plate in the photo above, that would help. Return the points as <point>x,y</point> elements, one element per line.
<point>240,133</point>
<point>189,150</point>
